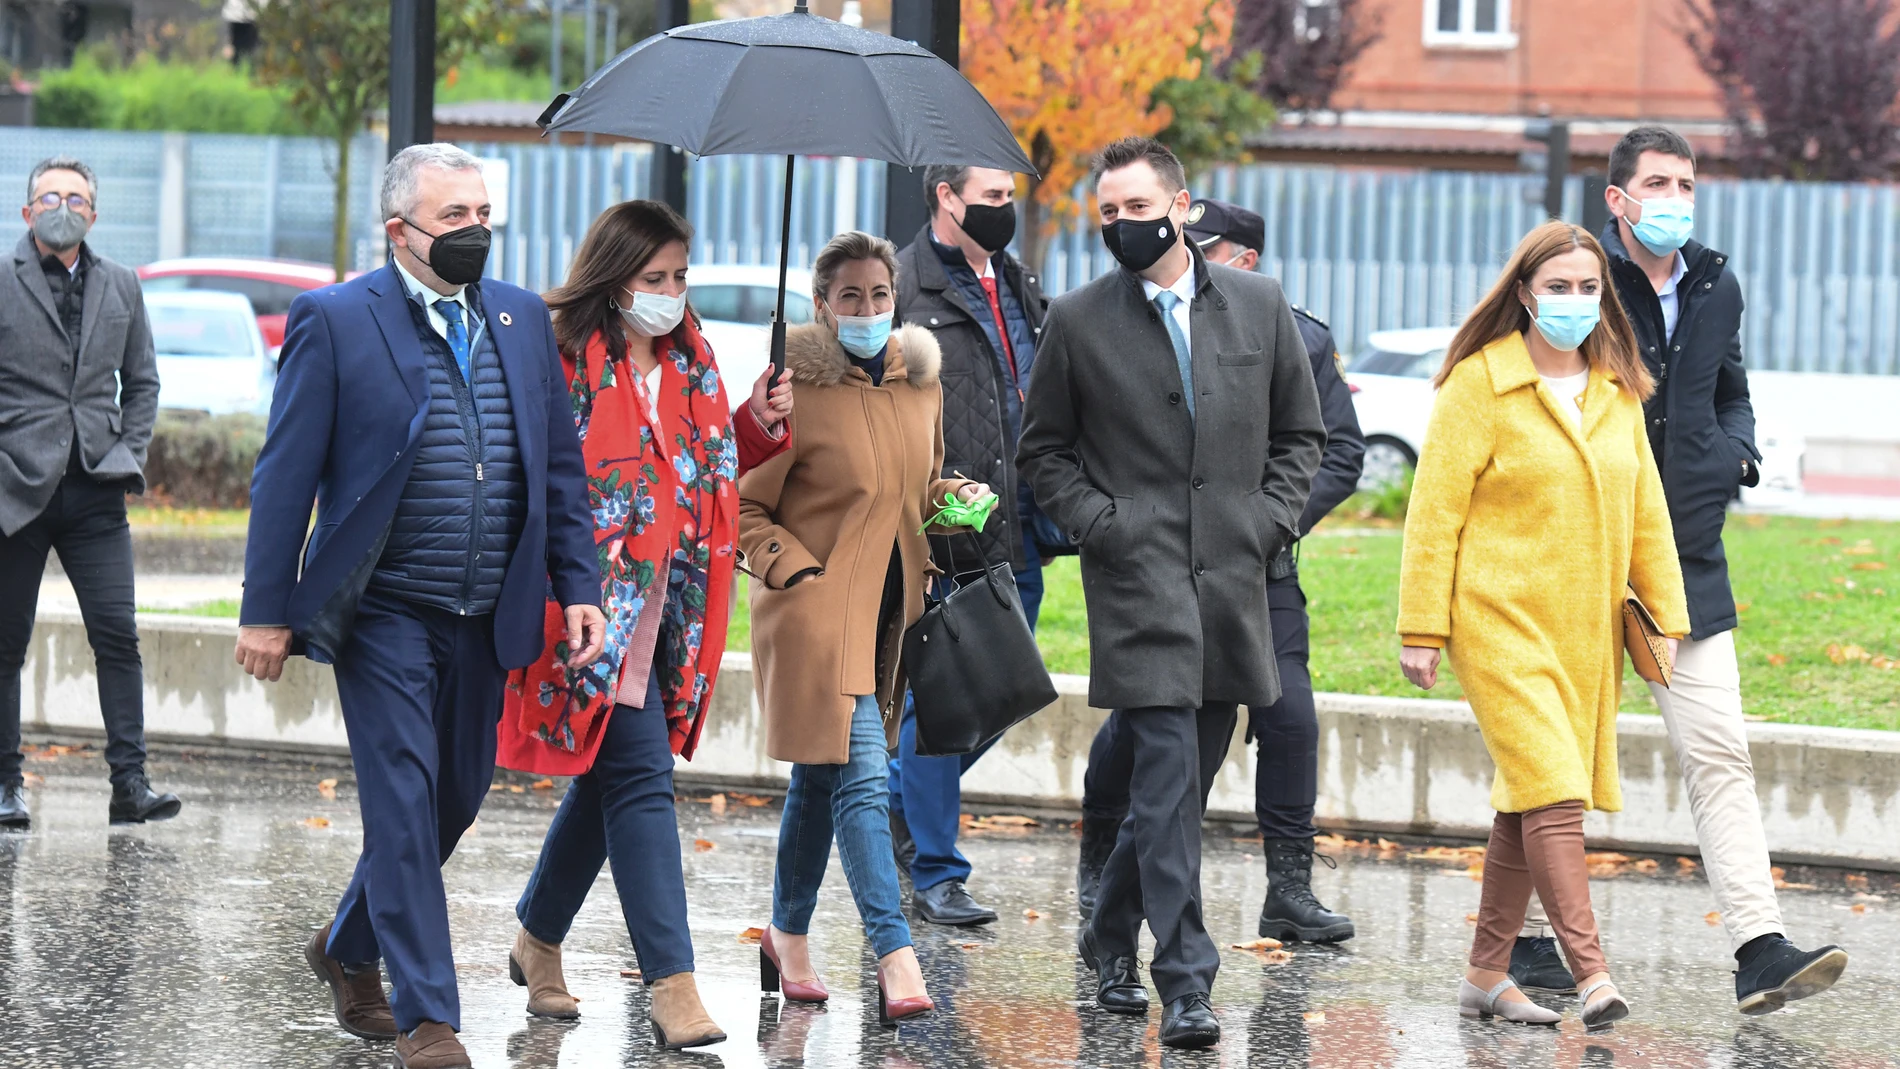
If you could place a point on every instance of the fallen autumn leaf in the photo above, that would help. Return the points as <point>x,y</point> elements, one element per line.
<point>700,846</point>
<point>752,935</point>
<point>1259,944</point>
<point>316,822</point>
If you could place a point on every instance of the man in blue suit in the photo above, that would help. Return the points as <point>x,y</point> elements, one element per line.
<point>425,413</point>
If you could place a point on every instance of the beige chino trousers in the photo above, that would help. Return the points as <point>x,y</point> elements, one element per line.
<point>1702,710</point>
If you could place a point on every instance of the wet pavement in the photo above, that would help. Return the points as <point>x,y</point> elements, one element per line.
<point>178,945</point>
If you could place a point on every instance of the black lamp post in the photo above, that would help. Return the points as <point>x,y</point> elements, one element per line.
<point>669,163</point>
<point>931,24</point>
<point>411,73</point>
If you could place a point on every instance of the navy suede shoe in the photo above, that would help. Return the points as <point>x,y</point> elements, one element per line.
<point>1774,972</point>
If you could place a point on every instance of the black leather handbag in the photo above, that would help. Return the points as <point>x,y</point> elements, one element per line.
<point>974,668</point>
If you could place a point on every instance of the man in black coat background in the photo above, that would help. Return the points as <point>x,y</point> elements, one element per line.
<point>1286,776</point>
<point>1172,431</point>
<point>958,281</point>
<point>1686,305</point>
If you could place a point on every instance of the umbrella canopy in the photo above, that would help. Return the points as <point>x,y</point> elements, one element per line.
<point>791,84</point>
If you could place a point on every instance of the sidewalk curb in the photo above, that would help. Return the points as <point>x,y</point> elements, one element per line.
<point>1409,766</point>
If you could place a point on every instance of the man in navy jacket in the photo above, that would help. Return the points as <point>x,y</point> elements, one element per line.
<point>424,412</point>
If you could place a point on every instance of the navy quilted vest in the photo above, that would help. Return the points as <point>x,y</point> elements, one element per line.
<point>463,508</point>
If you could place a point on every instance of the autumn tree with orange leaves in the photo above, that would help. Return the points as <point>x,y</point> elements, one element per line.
<point>1069,76</point>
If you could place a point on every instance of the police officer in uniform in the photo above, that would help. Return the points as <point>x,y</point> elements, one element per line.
<point>1286,778</point>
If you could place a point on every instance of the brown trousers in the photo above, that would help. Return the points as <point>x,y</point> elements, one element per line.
<point>1541,849</point>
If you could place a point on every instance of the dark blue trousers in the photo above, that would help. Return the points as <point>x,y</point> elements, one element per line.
<point>619,812</point>
<point>421,692</point>
<point>927,792</point>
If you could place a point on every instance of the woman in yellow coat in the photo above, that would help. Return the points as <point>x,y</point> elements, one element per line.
<point>1536,500</point>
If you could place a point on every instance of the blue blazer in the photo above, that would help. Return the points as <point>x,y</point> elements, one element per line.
<point>352,390</point>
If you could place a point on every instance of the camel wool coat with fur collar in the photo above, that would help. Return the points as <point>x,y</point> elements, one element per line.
<point>856,484</point>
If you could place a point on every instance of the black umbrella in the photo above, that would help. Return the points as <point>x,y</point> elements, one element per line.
<point>788,85</point>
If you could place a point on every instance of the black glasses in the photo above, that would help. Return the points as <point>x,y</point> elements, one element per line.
<point>76,201</point>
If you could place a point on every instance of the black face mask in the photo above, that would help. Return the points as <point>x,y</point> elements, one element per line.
<point>459,256</point>
<point>991,226</point>
<point>1138,243</point>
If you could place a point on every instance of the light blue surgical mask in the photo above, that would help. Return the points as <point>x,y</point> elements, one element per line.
<point>1666,223</point>
<point>864,336</point>
<point>1566,319</point>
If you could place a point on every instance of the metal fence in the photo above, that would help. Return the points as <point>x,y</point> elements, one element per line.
<point>1366,249</point>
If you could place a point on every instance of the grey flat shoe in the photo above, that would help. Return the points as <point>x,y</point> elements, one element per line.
<point>1474,1001</point>
<point>1602,1015</point>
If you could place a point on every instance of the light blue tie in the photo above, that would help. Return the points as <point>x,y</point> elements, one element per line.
<point>1183,357</point>
<point>451,312</point>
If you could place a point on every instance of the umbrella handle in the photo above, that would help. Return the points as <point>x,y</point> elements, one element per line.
<point>784,267</point>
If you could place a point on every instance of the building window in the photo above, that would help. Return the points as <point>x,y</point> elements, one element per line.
<point>1469,24</point>
<point>1313,19</point>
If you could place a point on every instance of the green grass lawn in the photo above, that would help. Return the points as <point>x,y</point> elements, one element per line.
<point>1819,599</point>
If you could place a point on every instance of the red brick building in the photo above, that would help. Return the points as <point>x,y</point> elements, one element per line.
<point>1450,82</point>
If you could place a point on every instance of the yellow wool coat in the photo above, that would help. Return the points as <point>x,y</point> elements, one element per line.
<point>1521,533</point>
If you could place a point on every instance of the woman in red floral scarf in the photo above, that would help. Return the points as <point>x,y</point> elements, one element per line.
<point>662,451</point>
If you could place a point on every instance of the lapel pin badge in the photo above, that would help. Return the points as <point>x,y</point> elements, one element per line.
<point>506,319</point>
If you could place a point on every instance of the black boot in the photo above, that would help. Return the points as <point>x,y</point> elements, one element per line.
<point>1098,841</point>
<point>134,802</point>
<point>13,811</point>
<point>903,847</point>
<point>1291,912</point>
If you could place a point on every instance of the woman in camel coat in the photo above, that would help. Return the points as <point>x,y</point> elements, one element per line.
<point>1536,501</point>
<point>833,533</point>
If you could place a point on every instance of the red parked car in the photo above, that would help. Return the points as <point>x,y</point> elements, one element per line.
<point>270,284</point>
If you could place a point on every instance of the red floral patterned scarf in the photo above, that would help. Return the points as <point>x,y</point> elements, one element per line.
<point>665,516</point>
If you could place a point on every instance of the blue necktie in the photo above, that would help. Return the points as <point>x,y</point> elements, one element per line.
<point>1183,357</point>
<point>451,312</point>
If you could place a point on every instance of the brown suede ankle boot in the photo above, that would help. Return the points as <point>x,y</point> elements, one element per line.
<point>679,1020</point>
<point>432,1045</point>
<point>537,966</point>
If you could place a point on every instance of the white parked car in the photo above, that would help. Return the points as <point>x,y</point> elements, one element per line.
<point>1391,381</point>
<point>735,303</point>
<point>211,353</point>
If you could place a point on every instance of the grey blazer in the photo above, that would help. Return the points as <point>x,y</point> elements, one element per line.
<point>110,403</point>
<point>1176,517</point>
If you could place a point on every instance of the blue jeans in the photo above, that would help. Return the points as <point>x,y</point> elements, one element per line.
<point>620,811</point>
<point>927,792</point>
<point>851,801</point>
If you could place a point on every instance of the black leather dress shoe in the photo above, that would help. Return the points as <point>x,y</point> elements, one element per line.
<point>1117,981</point>
<point>1189,1023</point>
<point>950,903</point>
<point>13,812</point>
<point>136,803</point>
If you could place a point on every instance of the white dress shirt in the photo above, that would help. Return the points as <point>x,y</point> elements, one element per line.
<point>429,297</point>
<point>1671,303</point>
<point>1184,289</point>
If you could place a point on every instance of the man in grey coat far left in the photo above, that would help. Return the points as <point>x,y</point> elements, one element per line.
<point>78,398</point>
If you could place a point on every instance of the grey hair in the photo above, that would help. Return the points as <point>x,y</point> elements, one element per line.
<point>63,163</point>
<point>958,176</point>
<point>846,247</point>
<point>402,175</point>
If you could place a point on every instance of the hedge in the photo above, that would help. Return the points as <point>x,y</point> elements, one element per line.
<point>202,461</point>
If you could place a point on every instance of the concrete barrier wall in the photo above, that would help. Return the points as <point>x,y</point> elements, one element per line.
<point>1387,765</point>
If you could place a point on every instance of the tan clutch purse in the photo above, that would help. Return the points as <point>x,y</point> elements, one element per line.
<point>1648,649</point>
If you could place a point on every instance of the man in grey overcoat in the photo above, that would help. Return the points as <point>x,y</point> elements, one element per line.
<point>78,397</point>
<point>1172,431</point>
